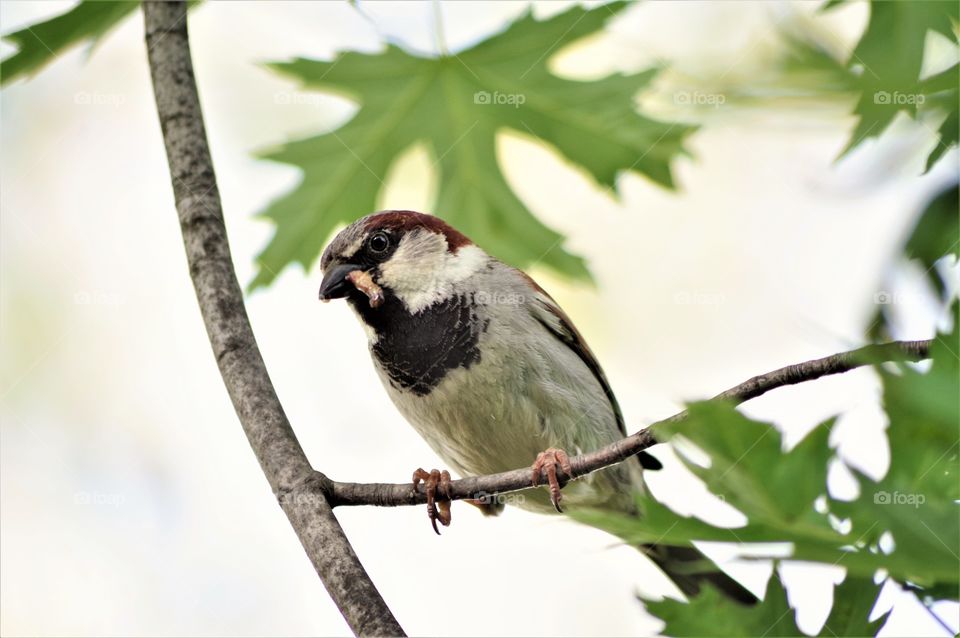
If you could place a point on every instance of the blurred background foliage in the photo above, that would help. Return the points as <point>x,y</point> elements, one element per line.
<point>457,102</point>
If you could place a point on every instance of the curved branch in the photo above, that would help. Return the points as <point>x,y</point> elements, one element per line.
<point>298,487</point>
<point>479,487</point>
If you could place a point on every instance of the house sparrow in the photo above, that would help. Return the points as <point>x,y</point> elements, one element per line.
<point>485,365</point>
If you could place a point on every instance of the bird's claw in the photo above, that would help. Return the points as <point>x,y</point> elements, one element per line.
<point>548,460</point>
<point>436,510</point>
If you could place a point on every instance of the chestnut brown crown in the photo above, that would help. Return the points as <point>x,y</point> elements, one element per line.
<point>356,239</point>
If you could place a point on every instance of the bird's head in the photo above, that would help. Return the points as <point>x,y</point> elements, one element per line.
<point>416,259</point>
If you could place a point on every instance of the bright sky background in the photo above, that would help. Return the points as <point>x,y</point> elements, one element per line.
<point>131,502</point>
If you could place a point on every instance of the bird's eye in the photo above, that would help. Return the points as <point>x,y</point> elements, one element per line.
<point>379,243</point>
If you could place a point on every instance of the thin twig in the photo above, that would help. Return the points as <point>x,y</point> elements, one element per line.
<point>298,487</point>
<point>482,487</point>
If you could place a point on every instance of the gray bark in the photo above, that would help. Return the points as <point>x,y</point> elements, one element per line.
<point>298,488</point>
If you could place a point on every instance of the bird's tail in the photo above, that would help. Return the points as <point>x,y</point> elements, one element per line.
<point>685,565</point>
<point>690,569</point>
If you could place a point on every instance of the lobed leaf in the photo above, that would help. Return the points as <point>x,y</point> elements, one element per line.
<point>456,105</point>
<point>40,43</point>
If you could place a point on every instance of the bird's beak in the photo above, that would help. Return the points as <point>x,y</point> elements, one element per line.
<point>335,284</point>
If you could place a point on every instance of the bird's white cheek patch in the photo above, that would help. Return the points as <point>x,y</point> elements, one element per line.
<point>421,272</point>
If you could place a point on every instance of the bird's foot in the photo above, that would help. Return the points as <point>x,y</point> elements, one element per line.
<point>548,460</point>
<point>436,510</point>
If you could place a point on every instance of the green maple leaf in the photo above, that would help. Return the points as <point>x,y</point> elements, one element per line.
<point>890,58</point>
<point>456,105</point>
<point>916,501</point>
<point>942,92</point>
<point>40,43</point>
<point>937,234</point>
<point>712,614</point>
<point>749,468</point>
<point>853,600</point>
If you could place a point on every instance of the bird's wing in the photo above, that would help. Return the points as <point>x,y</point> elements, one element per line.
<point>555,320</point>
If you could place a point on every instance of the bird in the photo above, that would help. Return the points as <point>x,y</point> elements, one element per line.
<point>491,373</point>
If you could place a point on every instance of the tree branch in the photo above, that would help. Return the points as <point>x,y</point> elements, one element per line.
<point>479,487</point>
<point>299,489</point>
